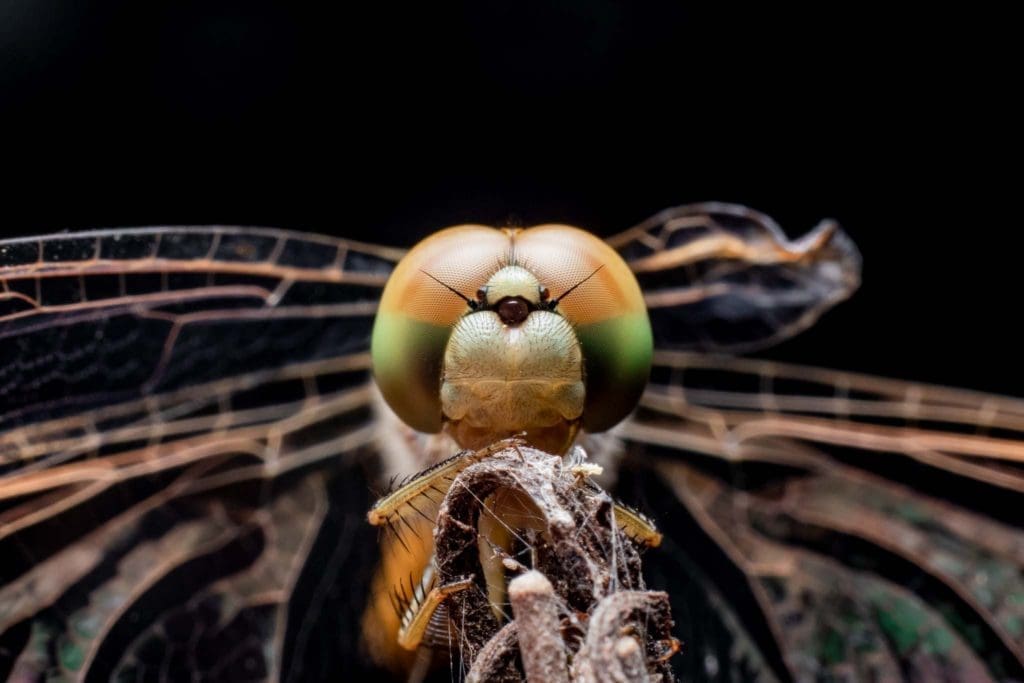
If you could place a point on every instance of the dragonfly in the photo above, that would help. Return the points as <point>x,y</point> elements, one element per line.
<point>191,437</point>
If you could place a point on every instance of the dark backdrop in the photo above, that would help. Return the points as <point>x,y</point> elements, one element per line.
<point>384,123</point>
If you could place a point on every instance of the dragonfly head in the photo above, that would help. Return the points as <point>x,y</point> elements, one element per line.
<point>488,333</point>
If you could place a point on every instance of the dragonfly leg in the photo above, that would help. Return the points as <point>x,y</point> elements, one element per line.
<point>636,526</point>
<point>422,605</point>
<point>397,505</point>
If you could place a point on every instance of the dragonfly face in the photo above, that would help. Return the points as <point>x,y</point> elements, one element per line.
<point>494,328</point>
<point>189,434</point>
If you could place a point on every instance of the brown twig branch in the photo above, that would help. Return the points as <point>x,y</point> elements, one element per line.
<point>582,613</point>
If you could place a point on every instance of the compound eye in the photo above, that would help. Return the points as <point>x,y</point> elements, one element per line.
<point>594,289</point>
<point>425,296</point>
<point>513,311</point>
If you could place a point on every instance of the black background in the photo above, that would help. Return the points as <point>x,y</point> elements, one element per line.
<point>384,123</point>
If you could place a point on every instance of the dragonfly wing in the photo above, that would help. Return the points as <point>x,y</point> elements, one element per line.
<point>93,318</point>
<point>186,453</point>
<point>852,526</point>
<point>722,277</point>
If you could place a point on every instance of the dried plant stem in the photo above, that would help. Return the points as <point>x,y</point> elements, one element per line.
<point>535,610</point>
<point>582,613</point>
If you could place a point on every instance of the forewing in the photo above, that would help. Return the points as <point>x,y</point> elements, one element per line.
<point>97,317</point>
<point>186,453</point>
<point>838,525</point>
<point>722,277</point>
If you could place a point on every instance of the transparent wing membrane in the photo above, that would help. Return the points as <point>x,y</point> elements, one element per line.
<point>92,318</point>
<point>186,452</point>
<point>722,277</point>
<point>872,525</point>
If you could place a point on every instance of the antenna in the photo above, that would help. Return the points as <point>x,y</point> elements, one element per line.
<point>472,304</point>
<point>566,293</point>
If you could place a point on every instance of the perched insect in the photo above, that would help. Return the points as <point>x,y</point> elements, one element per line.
<point>544,302</point>
<point>555,337</point>
<point>190,434</point>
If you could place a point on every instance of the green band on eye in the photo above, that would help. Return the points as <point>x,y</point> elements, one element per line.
<point>407,360</point>
<point>617,354</point>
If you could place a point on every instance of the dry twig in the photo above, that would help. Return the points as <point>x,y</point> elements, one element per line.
<point>582,613</point>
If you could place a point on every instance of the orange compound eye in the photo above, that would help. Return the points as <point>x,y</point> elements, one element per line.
<point>606,310</point>
<point>583,278</point>
<point>417,312</point>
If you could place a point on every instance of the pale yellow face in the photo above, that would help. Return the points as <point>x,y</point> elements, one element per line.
<point>488,333</point>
